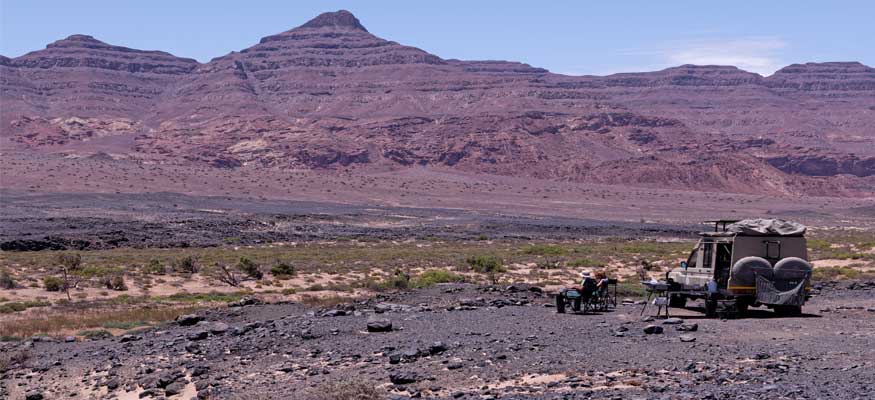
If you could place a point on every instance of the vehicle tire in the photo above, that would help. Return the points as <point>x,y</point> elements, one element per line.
<point>575,305</point>
<point>788,311</point>
<point>741,307</point>
<point>560,304</point>
<point>745,271</point>
<point>711,308</point>
<point>792,269</point>
<point>677,301</point>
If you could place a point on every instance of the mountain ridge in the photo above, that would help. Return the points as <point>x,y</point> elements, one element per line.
<point>328,94</point>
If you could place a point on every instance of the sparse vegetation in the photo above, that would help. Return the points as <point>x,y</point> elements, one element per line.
<point>6,280</point>
<point>490,265</point>
<point>186,265</point>
<point>282,270</point>
<point>17,306</point>
<point>250,268</point>
<point>53,284</point>
<point>434,276</point>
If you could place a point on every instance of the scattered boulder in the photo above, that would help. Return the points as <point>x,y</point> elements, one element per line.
<point>673,321</point>
<point>379,325</point>
<point>688,327</point>
<point>437,348</point>
<point>403,378</point>
<point>687,338</point>
<point>188,319</point>
<point>130,338</point>
<point>653,329</point>
<point>34,396</point>
<point>246,301</point>
<point>175,388</point>
<point>197,335</point>
<point>218,328</point>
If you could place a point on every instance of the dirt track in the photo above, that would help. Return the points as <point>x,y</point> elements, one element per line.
<point>494,343</point>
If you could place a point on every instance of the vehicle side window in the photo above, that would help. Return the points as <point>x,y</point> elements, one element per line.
<point>691,262</point>
<point>707,251</point>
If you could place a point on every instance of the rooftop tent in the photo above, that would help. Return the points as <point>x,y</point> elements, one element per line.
<point>766,227</point>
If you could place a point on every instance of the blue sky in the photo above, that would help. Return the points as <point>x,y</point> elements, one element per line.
<point>571,37</point>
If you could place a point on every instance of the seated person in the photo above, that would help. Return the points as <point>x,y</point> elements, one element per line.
<point>588,285</point>
<point>602,279</point>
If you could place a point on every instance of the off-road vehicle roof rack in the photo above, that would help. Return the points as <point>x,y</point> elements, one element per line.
<point>720,224</point>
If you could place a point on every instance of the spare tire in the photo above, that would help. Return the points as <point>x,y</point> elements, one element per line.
<point>745,271</point>
<point>792,269</point>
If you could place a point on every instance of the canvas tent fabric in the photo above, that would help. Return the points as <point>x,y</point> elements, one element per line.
<point>766,227</point>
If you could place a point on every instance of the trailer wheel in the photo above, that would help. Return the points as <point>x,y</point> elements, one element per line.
<point>711,308</point>
<point>560,304</point>
<point>788,311</point>
<point>677,301</point>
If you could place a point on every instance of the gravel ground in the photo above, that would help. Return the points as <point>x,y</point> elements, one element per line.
<point>100,221</point>
<point>470,342</point>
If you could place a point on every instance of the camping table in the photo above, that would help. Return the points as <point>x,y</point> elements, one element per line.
<point>661,291</point>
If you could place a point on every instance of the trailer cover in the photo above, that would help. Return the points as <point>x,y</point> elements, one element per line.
<point>766,227</point>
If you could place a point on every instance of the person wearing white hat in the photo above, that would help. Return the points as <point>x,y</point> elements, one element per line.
<point>587,285</point>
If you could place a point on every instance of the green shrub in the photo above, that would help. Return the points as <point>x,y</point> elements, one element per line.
<point>250,268</point>
<point>155,267</point>
<point>186,265</point>
<point>485,264</point>
<point>53,284</point>
<point>71,262</point>
<point>282,269</point>
<point>544,250</point>
<point>17,306</point>
<point>434,276</point>
<point>585,263</point>
<point>6,280</point>
<point>489,265</point>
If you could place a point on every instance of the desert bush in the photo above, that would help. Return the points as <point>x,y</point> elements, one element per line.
<point>250,268</point>
<point>434,276</point>
<point>490,265</point>
<point>53,284</point>
<point>186,265</point>
<point>348,390</point>
<point>282,269</point>
<point>7,308</point>
<point>70,261</point>
<point>399,280</point>
<point>544,250</point>
<point>114,282</point>
<point>154,267</point>
<point>6,280</point>
<point>585,263</point>
<point>222,273</point>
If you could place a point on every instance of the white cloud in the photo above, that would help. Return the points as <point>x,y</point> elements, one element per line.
<point>760,54</point>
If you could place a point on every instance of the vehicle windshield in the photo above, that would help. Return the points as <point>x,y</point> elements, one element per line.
<point>691,261</point>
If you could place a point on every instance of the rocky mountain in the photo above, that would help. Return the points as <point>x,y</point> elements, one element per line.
<point>329,94</point>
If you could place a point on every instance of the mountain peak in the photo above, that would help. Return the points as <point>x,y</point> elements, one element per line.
<point>338,19</point>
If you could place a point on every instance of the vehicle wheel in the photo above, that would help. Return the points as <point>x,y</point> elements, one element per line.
<point>576,305</point>
<point>710,308</point>
<point>741,307</point>
<point>676,301</point>
<point>560,304</point>
<point>788,311</point>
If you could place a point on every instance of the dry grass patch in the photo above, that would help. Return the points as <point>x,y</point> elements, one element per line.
<point>65,320</point>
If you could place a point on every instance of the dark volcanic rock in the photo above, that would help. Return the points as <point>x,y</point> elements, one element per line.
<point>379,325</point>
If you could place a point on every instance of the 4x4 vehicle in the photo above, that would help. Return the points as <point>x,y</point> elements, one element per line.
<point>746,263</point>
